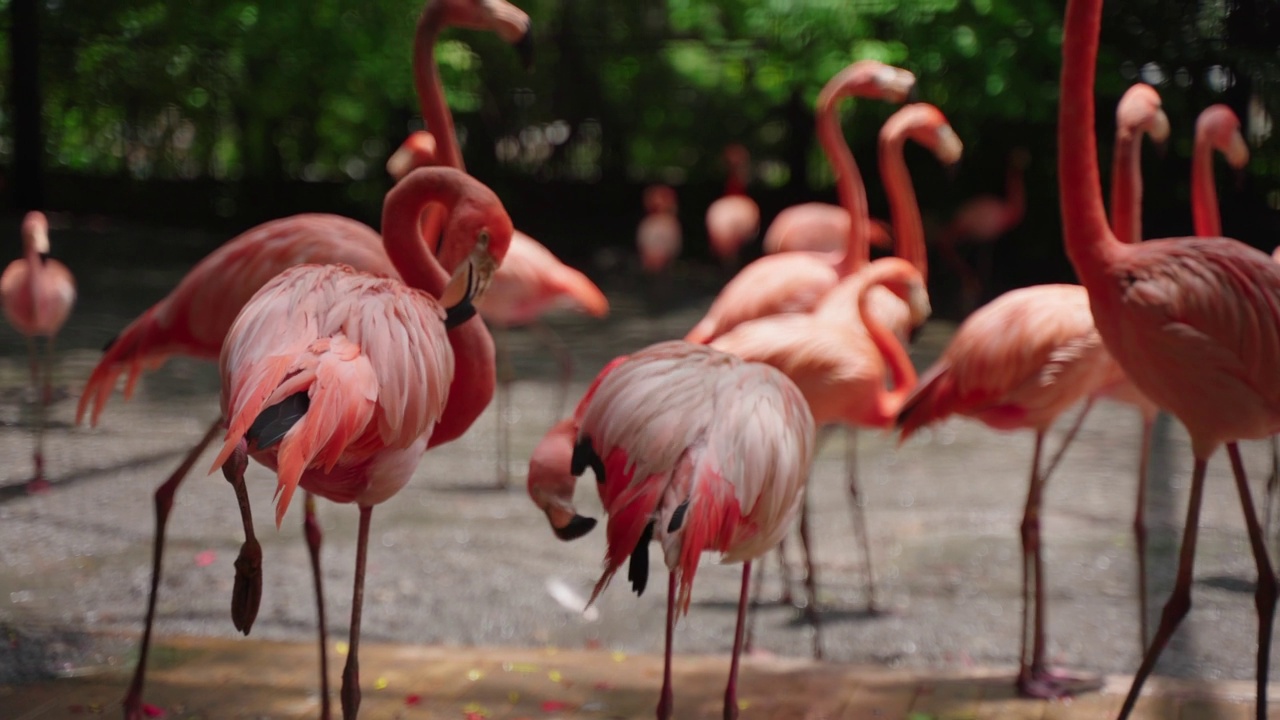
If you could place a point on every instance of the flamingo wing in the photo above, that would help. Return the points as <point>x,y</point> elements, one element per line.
<point>782,283</point>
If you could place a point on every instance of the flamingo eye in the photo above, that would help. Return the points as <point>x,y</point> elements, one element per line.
<point>482,239</point>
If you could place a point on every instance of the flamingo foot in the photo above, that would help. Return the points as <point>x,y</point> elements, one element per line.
<point>1048,685</point>
<point>38,484</point>
<point>665,704</point>
<point>350,688</point>
<point>246,594</point>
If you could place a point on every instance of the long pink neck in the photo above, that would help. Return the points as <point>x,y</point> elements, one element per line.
<point>853,194</point>
<point>895,356</point>
<point>1126,186</point>
<point>402,236</point>
<point>426,78</point>
<point>1090,243</point>
<point>1015,193</point>
<point>908,228</point>
<point>1205,214</point>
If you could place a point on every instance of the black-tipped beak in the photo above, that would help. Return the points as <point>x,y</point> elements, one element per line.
<point>524,47</point>
<point>465,309</point>
<point>580,525</point>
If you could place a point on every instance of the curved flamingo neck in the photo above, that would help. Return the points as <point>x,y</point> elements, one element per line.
<point>426,79</point>
<point>1126,186</point>
<point>853,194</point>
<point>1015,193</point>
<point>902,372</point>
<point>1205,215</point>
<point>1089,241</point>
<point>735,185</point>
<point>904,210</point>
<point>402,214</point>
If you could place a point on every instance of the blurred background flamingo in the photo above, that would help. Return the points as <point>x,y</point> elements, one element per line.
<point>733,220</point>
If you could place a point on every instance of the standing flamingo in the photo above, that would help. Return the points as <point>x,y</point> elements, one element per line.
<point>194,318</point>
<point>530,283</point>
<point>795,281</point>
<point>335,379</point>
<point>981,221</point>
<point>1195,322</point>
<point>695,449</point>
<point>733,220</point>
<point>37,293</point>
<point>838,366</point>
<point>658,235</point>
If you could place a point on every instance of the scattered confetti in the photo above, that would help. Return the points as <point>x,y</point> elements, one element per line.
<point>618,655</point>
<point>341,647</point>
<point>380,684</point>
<point>554,705</point>
<point>525,668</point>
<point>474,674</point>
<point>206,558</point>
<point>153,711</point>
<point>475,711</point>
<point>744,704</point>
<point>555,676</point>
<point>412,700</point>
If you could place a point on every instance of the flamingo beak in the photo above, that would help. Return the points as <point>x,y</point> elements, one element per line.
<point>577,526</point>
<point>467,285</point>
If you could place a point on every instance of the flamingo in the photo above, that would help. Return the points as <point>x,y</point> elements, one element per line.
<point>37,293</point>
<point>839,367</point>
<point>530,282</point>
<point>983,220</point>
<point>335,379</point>
<point>795,281</point>
<point>1195,322</point>
<point>733,220</point>
<point>658,235</point>
<point>819,227</point>
<point>194,318</point>
<point>693,448</point>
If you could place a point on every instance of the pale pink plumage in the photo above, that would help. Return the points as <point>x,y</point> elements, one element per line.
<point>658,236</point>
<point>733,220</point>
<point>531,282</point>
<point>1194,321</point>
<point>819,227</point>
<point>981,221</point>
<point>795,281</point>
<point>37,291</point>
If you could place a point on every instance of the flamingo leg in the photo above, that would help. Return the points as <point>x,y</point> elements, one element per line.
<point>351,673</point>
<point>755,604</point>
<point>246,593</point>
<point>1140,527</point>
<point>785,597</point>
<point>505,375</point>
<point>1273,480</point>
<point>810,576</point>
<point>553,342</point>
<point>666,701</point>
<point>311,529</point>
<point>37,482</point>
<point>1180,600</point>
<point>1265,591</point>
<point>163,503</point>
<point>859,514</point>
<point>1032,678</point>
<point>731,690</point>
<point>1067,440</point>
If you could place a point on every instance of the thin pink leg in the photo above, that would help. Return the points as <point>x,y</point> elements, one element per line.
<point>163,504</point>
<point>505,373</point>
<point>37,483</point>
<point>859,514</point>
<point>755,604</point>
<point>731,690</point>
<point>351,673</point>
<point>311,529</point>
<point>666,702</point>
<point>246,593</point>
<point>1140,528</point>
<point>1264,597</point>
<point>810,576</point>
<point>1179,602</point>
<point>1032,680</point>
<point>785,597</point>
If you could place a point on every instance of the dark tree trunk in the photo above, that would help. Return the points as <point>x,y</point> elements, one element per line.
<point>28,140</point>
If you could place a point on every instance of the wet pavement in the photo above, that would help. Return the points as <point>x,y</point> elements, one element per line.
<point>455,562</point>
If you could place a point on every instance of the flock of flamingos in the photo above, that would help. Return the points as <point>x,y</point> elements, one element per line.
<point>346,354</point>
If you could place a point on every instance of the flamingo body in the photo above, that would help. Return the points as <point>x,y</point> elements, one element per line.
<point>532,281</point>
<point>37,291</point>
<point>818,227</point>
<point>732,221</point>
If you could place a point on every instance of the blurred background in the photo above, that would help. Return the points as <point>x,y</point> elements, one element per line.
<point>219,115</point>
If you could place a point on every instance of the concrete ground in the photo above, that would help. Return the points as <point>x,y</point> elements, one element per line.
<point>454,562</point>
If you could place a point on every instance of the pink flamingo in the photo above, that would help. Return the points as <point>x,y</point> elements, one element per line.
<point>819,227</point>
<point>734,219</point>
<point>37,293</point>
<point>658,235</point>
<point>981,221</point>
<point>335,379</point>
<point>839,367</point>
<point>795,281</point>
<point>194,318</point>
<point>695,449</point>
<point>530,283</point>
<point>1194,322</point>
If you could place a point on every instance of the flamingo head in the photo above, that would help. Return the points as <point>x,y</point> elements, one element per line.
<point>869,79</point>
<point>551,483</point>
<point>1219,125</point>
<point>35,233</point>
<point>659,199</point>
<point>474,242</point>
<point>926,125</point>
<point>1141,111</point>
<point>418,150</point>
<point>499,16</point>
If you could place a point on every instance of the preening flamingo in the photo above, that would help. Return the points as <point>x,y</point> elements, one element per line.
<point>980,222</point>
<point>335,379</point>
<point>658,235</point>
<point>1195,322</point>
<point>37,293</point>
<point>530,283</point>
<point>733,220</point>
<point>819,227</point>
<point>795,281</point>
<point>839,367</point>
<point>692,448</point>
